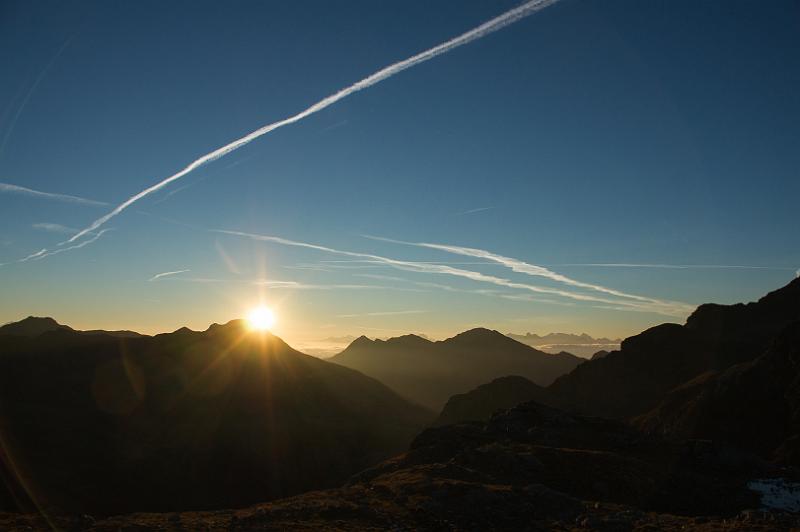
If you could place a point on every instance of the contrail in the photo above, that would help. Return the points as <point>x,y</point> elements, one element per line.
<point>677,266</point>
<point>45,253</point>
<point>671,308</point>
<point>55,228</point>
<point>473,211</point>
<point>16,189</point>
<point>497,23</point>
<point>36,82</point>
<point>519,267</point>
<point>166,274</point>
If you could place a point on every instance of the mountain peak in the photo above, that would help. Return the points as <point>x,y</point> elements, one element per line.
<point>32,326</point>
<point>479,334</point>
<point>360,341</point>
<point>409,340</point>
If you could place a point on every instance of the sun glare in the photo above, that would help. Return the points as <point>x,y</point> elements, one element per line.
<point>261,319</point>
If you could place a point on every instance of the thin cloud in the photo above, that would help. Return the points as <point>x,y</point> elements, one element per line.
<point>385,313</point>
<point>473,211</point>
<point>333,126</point>
<point>495,24</point>
<point>16,189</point>
<point>166,274</point>
<point>45,253</point>
<point>171,193</point>
<point>291,285</point>
<point>363,261</point>
<point>30,92</point>
<point>676,266</point>
<point>55,228</point>
<point>536,271</point>
<point>660,307</point>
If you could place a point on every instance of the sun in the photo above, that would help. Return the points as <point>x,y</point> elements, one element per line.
<point>261,319</point>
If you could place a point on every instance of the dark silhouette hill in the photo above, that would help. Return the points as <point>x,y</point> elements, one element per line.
<point>755,405</point>
<point>527,468</point>
<point>634,380</point>
<point>500,394</point>
<point>431,372</point>
<point>34,326</point>
<point>187,420</point>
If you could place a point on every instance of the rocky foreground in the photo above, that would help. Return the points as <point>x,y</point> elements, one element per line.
<point>528,468</point>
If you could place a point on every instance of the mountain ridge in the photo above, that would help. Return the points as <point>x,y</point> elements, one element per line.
<point>188,420</point>
<point>430,372</point>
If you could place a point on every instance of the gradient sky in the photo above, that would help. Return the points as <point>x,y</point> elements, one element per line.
<point>588,134</point>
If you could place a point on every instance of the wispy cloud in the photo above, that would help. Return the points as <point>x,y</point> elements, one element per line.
<point>166,274</point>
<point>279,284</point>
<point>647,305</point>
<point>375,262</point>
<point>540,271</point>
<point>385,313</point>
<point>30,92</point>
<point>337,125</point>
<point>55,228</point>
<point>169,194</point>
<point>677,266</point>
<point>16,189</point>
<point>473,211</point>
<point>45,253</point>
<point>495,24</point>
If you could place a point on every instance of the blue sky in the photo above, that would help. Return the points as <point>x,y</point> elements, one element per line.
<point>587,133</point>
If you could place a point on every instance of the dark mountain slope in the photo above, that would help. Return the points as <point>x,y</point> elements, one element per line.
<point>633,380</point>
<point>431,372</point>
<point>500,394</point>
<point>527,468</point>
<point>755,405</point>
<point>189,420</point>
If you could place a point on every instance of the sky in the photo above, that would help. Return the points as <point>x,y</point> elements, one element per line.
<point>595,167</point>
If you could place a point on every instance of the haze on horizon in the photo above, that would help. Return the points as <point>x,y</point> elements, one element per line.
<point>594,168</point>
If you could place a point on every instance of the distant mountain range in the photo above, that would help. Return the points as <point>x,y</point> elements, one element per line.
<point>683,427</point>
<point>581,345</point>
<point>185,420</point>
<point>431,372</point>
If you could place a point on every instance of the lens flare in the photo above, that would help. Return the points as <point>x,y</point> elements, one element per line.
<point>261,319</point>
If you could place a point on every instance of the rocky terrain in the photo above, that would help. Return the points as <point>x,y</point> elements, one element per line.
<point>529,468</point>
<point>691,426</point>
<point>500,394</point>
<point>634,380</point>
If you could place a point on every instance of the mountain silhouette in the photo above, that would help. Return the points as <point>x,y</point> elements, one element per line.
<point>527,468</point>
<point>755,405</point>
<point>500,394</point>
<point>633,380</point>
<point>431,372</point>
<point>34,326</point>
<point>187,420</point>
<point>702,414</point>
